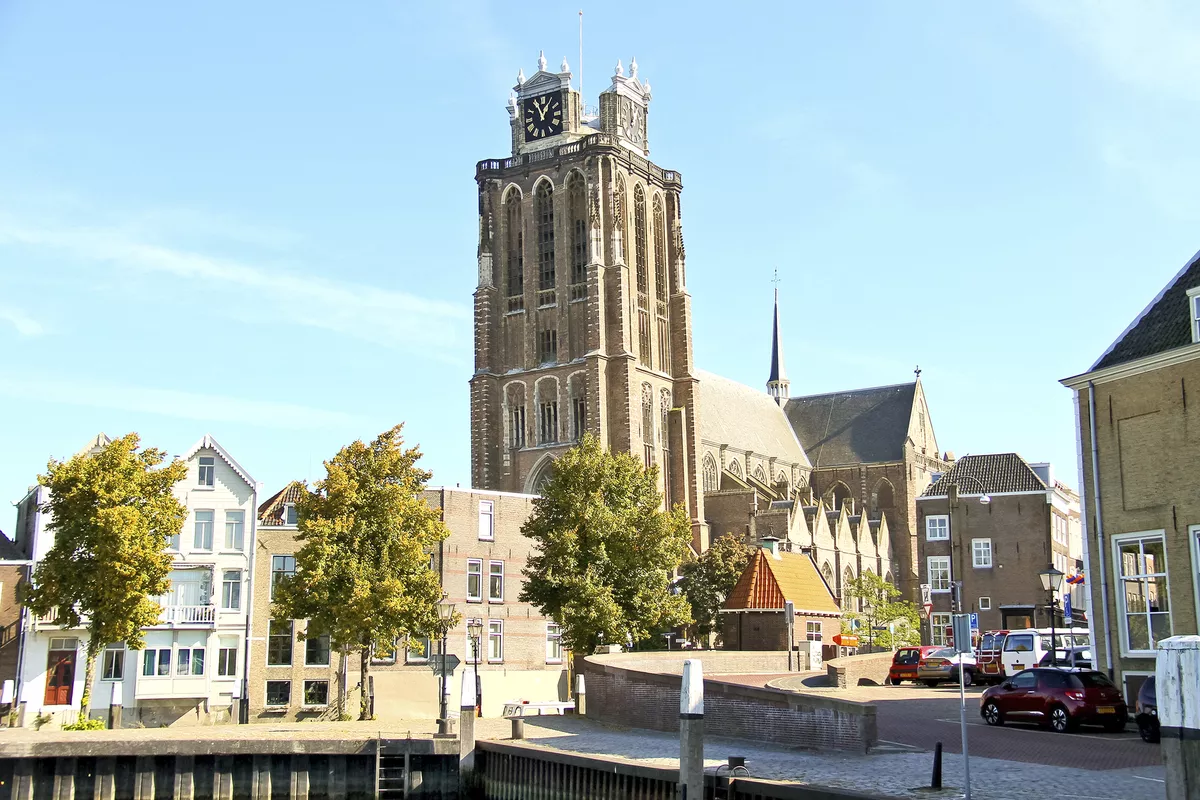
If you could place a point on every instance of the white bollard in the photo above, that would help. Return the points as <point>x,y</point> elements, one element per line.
<point>1178,692</point>
<point>691,731</point>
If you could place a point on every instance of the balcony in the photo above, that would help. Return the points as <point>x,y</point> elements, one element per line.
<point>188,615</point>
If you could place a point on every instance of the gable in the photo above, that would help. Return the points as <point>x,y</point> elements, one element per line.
<point>1163,325</point>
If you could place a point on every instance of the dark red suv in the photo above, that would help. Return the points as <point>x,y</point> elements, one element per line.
<point>1058,698</point>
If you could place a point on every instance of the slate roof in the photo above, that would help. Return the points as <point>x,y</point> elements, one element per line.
<point>734,414</point>
<point>9,550</point>
<point>768,581</point>
<point>1163,325</point>
<point>270,512</point>
<point>991,473</point>
<point>864,426</point>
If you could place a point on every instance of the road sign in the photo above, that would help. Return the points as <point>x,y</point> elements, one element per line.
<point>962,633</point>
<point>436,663</point>
<point>974,621</point>
<point>926,594</point>
<point>846,640</point>
<point>925,609</point>
<point>1067,607</point>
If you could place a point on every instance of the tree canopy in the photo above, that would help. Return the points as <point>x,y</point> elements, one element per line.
<point>362,572</point>
<point>881,608</point>
<point>706,581</point>
<point>605,550</point>
<point>112,512</point>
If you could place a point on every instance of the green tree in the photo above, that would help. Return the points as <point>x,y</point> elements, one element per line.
<point>112,514</point>
<point>881,608</point>
<point>362,572</point>
<point>706,581</point>
<point>605,550</point>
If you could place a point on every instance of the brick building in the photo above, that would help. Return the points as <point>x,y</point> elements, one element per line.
<point>583,324</point>
<point>996,549</point>
<point>1141,508</point>
<point>15,569</point>
<point>480,564</point>
<point>753,616</point>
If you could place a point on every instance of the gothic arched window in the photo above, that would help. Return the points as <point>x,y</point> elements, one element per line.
<point>619,222</point>
<point>883,498</point>
<point>827,574</point>
<point>660,251</point>
<point>543,213</point>
<point>847,600</point>
<point>639,254</point>
<point>735,468</point>
<point>577,201</point>
<point>710,473</point>
<point>647,414</point>
<point>514,247</point>
<point>759,475</point>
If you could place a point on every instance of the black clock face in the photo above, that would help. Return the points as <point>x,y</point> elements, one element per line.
<point>543,116</point>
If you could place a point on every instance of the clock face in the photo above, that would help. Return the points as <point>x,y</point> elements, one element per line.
<point>543,116</point>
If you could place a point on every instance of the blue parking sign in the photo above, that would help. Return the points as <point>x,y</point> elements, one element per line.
<point>974,621</point>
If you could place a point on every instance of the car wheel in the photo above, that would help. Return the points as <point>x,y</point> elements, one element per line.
<point>930,684</point>
<point>992,714</point>
<point>968,678</point>
<point>1060,720</point>
<point>1148,731</point>
<point>894,681</point>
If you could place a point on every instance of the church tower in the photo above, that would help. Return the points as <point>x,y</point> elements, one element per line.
<point>777,382</point>
<point>582,316</point>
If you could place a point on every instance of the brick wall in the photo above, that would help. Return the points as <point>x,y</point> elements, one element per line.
<point>870,669</point>
<point>641,699</point>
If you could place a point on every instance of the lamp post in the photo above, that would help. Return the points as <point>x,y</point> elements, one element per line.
<point>984,499</point>
<point>475,633</point>
<point>445,612</point>
<point>1052,581</point>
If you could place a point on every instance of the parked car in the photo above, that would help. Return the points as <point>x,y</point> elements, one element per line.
<point>1146,711</point>
<point>905,661</point>
<point>1068,658</point>
<point>1056,698</point>
<point>1024,648</point>
<point>943,665</point>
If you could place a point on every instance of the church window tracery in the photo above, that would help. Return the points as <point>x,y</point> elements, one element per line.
<point>661,286</point>
<point>514,247</point>
<point>648,423</point>
<point>577,203</point>
<point>710,473</point>
<point>759,474</point>
<point>735,468</point>
<point>544,215</point>
<point>640,257</point>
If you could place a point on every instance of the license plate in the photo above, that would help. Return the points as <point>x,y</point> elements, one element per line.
<point>1106,709</point>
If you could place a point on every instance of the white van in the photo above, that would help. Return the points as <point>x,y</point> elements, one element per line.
<point>1024,649</point>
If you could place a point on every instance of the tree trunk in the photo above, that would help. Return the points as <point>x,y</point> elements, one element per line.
<point>89,670</point>
<point>364,701</point>
<point>341,685</point>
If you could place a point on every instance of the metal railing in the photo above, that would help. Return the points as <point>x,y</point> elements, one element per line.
<point>188,615</point>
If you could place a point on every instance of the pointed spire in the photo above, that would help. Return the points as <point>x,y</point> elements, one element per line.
<point>633,67</point>
<point>541,60</point>
<point>620,70</point>
<point>777,383</point>
<point>520,76</point>
<point>565,67</point>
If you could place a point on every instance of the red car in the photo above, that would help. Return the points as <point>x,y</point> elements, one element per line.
<point>905,663</point>
<point>1057,698</point>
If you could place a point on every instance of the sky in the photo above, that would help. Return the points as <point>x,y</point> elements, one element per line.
<point>258,220</point>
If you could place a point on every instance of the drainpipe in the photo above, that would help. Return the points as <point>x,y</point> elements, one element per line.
<point>23,621</point>
<point>244,708</point>
<point>1108,659</point>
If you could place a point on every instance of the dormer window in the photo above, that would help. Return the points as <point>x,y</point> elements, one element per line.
<point>208,466</point>
<point>1194,309</point>
<point>289,514</point>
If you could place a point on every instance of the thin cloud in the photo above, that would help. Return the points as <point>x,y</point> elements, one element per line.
<point>25,324</point>
<point>381,316</point>
<point>171,403</point>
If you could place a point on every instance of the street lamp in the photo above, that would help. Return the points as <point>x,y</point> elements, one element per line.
<point>445,612</point>
<point>1052,581</point>
<point>475,633</point>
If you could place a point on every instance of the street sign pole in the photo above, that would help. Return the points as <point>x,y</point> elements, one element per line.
<point>962,645</point>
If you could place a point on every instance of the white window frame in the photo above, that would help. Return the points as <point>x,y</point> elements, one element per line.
<point>267,693</point>
<point>553,643</point>
<point>231,590</point>
<point>304,693</point>
<point>1194,536</point>
<point>812,629</point>
<point>487,521</point>
<point>156,662</point>
<point>328,652</point>
<point>289,510</point>
<point>492,574</point>
<point>1118,578</point>
<point>223,659</point>
<point>200,540</point>
<point>276,572</point>
<point>412,657</point>
<point>117,651</point>
<point>949,574</point>
<point>976,562</point>
<point>929,537</point>
<point>1193,295</point>
<point>475,567</point>
<point>985,606</point>
<point>208,469</point>
<point>190,672</point>
<point>495,631</point>
<point>938,622</point>
<point>235,530</point>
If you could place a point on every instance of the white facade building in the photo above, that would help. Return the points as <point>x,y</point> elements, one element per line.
<point>192,666</point>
